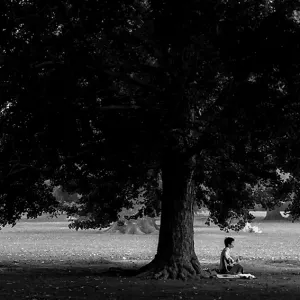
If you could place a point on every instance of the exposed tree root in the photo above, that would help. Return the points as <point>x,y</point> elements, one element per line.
<point>173,269</point>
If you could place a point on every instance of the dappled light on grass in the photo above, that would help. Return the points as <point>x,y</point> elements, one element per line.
<point>54,243</point>
<point>278,240</point>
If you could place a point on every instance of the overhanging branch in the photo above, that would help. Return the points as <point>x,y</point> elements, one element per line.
<point>132,80</point>
<point>46,63</point>
<point>113,108</point>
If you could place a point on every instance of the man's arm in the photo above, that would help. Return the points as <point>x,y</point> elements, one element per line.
<point>228,257</point>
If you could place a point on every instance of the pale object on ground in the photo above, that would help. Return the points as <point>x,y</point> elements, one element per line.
<point>252,229</point>
<point>230,276</point>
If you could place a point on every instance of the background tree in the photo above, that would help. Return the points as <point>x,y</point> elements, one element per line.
<point>139,218</point>
<point>265,196</point>
<point>92,102</point>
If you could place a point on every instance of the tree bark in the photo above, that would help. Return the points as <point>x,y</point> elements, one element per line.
<point>274,215</point>
<point>176,257</point>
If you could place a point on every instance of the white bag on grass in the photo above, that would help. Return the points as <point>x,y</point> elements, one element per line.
<point>237,276</point>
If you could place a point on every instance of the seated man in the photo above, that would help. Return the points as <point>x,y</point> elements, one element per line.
<point>227,264</point>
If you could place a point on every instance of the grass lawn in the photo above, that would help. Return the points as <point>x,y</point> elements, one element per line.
<point>46,260</point>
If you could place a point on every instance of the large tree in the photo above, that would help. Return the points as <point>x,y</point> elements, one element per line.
<point>94,95</point>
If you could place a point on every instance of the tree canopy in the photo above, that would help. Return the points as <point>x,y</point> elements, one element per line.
<point>95,95</point>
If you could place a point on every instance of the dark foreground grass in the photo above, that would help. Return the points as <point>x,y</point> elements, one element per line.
<point>84,283</point>
<point>46,260</point>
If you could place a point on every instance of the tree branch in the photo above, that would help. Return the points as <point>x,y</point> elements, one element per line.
<point>224,98</point>
<point>132,80</point>
<point>2,59</point>
<point>115,107</point>
<point>45,64</point>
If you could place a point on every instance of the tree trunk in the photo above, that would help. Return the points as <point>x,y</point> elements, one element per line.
<point>274,215</point>
<point>176,257</point>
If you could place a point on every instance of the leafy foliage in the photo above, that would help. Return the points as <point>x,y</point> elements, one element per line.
<point>96,95</point>
<point>84,213</point>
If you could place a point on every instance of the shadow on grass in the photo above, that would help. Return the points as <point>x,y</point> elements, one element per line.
<point>283,262</point>
<point>101,268</point>
<point>120,272</point>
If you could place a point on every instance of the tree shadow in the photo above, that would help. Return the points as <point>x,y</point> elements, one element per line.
<point>120,272</point>
<point>97,268</point>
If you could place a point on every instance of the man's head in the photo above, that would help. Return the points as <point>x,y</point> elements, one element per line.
<point>229,242</point>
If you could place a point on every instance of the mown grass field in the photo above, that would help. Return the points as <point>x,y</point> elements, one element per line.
<point>47,260</point>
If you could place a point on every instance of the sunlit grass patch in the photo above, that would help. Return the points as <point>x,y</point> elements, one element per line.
<point>54,243</point>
